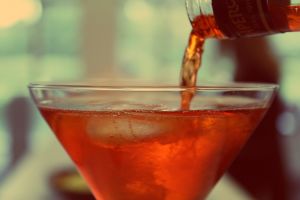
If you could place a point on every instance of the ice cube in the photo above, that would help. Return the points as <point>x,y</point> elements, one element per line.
<point>124,128</point>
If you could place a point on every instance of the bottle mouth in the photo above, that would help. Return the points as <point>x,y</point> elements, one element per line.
<point>193,9</point>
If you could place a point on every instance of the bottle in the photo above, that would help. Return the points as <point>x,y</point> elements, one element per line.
<point>230,19</point>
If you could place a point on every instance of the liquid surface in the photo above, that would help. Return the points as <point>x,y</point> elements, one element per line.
<point>161,155</point>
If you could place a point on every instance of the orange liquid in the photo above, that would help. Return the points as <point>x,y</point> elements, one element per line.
<point>152,155</point>
<point>191,63</point>
<point>203,27</point>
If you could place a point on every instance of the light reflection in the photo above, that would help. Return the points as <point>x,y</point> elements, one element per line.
<point>16,11</point>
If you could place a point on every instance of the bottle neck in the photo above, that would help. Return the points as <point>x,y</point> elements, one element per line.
<point>238,18</point>
<point>201,15</point>
<point>196,8</point>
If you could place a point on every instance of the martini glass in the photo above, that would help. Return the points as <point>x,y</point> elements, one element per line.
<point>136,143</point>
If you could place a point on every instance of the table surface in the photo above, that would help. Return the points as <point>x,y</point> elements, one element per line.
<point>30,177</point>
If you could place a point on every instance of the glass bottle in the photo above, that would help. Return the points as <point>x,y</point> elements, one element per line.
<point>229,19</point>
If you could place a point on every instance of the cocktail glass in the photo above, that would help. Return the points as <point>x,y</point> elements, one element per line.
<point>136,143</point>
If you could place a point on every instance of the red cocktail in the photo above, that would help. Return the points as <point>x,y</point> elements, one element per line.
<point>136,143</point>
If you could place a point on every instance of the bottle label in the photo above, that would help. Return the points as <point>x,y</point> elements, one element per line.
<point>240,18</point>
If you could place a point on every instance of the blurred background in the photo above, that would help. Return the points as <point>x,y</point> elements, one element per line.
<point>43,40</point>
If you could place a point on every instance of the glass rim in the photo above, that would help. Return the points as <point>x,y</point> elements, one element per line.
<point>104,86</point>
